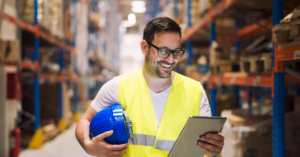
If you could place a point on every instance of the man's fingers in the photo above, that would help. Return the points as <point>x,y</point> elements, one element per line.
<point>103,135</point>
<point>118,152</point>
<point>218,136</point>
<point>208,150</point>
<point>219,143</point>
<point>210,147</point>
<point>117,147</point>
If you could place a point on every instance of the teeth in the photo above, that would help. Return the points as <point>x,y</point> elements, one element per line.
<point>165,65</point>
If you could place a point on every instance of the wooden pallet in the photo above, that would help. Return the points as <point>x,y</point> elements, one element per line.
<point>287,34</point>
<point>224,66</point>
<point>256,64</point>
<point>50,131</point>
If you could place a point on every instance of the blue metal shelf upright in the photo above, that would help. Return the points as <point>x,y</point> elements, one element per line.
<point>75,85</point>
<point>37,140</point>
<point>279,91</point>
<point>213,89</point>
<point>188,42</point>
<point>36,78</point>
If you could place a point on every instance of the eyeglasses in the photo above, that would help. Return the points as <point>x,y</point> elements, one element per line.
<point>165,52</point>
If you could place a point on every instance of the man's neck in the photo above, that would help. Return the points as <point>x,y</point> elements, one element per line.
<point>157,85</point>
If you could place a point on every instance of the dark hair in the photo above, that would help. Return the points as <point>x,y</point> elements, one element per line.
<point>160,24</point>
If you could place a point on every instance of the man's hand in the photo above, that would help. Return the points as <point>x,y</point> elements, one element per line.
<point>213,143</point>
<point>98,147</point>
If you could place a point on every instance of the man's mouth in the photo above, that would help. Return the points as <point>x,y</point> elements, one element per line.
<point>166,67</point>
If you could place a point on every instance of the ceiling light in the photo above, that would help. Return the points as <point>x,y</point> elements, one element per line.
<point>138,9</point>
<point>136,4</point>
<point>131,19</point>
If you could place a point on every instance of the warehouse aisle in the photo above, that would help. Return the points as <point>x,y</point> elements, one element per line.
<point>64,145</point>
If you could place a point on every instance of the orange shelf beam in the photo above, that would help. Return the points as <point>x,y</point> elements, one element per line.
<point>249,31</point>
<point>27,65</point>
<point>212,13</point>
<point>59,78</point>
<point>286,54</point>
<point>260,81</point>
<point>253,29</point>
<point>35,30</point>
<point>292,79</point>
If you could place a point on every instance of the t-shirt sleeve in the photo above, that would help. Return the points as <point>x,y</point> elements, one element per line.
<point>107,95</point>
<point>204,105</point>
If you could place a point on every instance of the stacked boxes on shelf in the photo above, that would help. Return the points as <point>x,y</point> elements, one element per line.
<point>9,44</point>
<point>243,126</point>
<point>220,58</point>
<point>173,9</point>
<point>195,12</point>
<point>68,23</point>
<point>50,16</point>
<point>258,64</point>
<point>287,33</point>
<point>225,26</point>
<point>203,7</point>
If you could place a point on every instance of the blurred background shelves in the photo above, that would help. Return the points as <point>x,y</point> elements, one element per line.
<point>35,30</point>
<point>52,57</point>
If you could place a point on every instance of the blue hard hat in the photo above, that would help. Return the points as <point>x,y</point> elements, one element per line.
<point>112,118</point>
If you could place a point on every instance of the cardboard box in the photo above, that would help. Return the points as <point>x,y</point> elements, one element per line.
<point>82,89</point>
<point>9,50</point>
<point>67,114</point>
<point>295,30</point>
<point>219,52</point>
<point>8,30</point>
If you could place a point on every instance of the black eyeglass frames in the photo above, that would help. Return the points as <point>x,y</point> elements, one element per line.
<point>165,52</point>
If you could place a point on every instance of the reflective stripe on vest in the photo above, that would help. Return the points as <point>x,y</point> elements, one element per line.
<point>149,140</point>
<point>140,139</point>
<point>165,145</point>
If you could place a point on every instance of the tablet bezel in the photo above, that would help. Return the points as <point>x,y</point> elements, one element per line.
<point>189,120</point>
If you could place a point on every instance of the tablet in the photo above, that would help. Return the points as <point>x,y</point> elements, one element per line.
<point>186,144</point>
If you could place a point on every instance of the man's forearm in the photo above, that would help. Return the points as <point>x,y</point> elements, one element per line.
<point>82,132</point>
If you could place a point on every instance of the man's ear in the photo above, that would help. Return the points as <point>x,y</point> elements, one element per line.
<point>144,47</point>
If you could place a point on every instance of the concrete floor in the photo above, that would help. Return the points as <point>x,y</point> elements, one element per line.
<point>64,145</point>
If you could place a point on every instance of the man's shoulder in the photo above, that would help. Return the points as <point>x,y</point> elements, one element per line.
<point>188,79</point>
<point>129,75</point>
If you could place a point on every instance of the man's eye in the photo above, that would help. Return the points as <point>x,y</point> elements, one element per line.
<point>163,52</point>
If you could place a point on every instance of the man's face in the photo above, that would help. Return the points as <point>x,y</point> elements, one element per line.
<point>162,67</point>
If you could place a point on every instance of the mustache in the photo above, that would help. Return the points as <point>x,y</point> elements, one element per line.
<point>165,62</point>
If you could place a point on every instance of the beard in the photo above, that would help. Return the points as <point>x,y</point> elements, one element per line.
<point>153,68</point>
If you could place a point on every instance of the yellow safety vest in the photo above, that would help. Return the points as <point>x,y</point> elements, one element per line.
<point>149,140</point>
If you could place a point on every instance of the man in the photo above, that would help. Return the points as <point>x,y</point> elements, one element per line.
<point>157,100</point>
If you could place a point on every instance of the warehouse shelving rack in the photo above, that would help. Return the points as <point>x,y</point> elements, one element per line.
<point>108,37</point>
<point>276,81</point>
<point>34,28</point>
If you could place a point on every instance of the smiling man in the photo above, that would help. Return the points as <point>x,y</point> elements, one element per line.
<point>157,100</point>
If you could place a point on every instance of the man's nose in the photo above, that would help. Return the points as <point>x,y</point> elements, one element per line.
<point>170,58</point>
